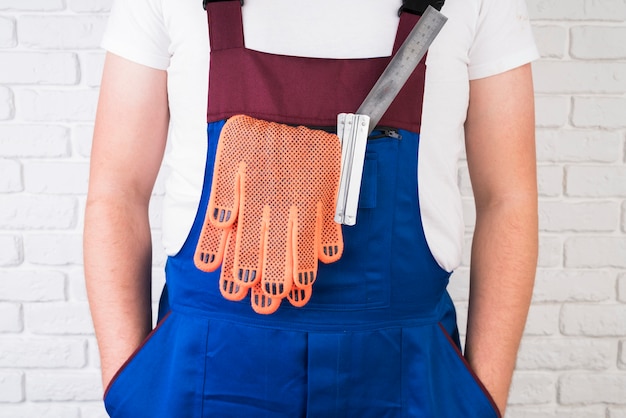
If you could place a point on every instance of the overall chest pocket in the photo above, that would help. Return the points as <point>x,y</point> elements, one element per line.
<point>361,279</point>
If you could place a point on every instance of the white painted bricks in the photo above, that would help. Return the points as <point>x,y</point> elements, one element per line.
<point>588,388</point>
<point>40,68</point>
<point>586,354</point>
<point>6,103</point>
<point>61,32</point>
<point>598,42</point>
<point>572,363</point>
<point>50,67</point>
<point>566,10</point>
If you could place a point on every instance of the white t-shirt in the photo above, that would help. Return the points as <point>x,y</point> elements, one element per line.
<point>480,39</point>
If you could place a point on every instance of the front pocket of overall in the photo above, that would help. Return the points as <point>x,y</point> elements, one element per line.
<point>468,387</point>
<point>361,279</point>
<point>164,378</point>
<point>119,376</point>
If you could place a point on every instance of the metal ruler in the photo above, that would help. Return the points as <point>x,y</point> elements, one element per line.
<point>353,129</point>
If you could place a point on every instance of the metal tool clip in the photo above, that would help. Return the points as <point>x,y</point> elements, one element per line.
<point>352,130</point>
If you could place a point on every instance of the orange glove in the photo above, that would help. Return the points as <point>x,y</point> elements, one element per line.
<point>271,209</point>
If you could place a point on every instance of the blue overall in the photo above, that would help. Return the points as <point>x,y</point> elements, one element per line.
<point>378,338</point>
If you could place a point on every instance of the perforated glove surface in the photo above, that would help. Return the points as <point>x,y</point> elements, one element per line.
<point>270,213</point>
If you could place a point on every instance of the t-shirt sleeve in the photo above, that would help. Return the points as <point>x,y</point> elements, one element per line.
<point>136,31</point>
<point>503,38</point>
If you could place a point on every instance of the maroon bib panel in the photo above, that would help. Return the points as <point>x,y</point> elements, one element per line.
<point>298,90</point>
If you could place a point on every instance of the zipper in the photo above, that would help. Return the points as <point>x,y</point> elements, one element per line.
<point>378,133</point>
<point>384,132</point>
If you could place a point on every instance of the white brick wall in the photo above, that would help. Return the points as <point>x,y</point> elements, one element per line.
<point>573,359</point>
<point>50,67</point>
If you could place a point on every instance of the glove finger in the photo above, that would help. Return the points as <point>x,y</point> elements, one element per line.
<point>329,234</point>
<point>230,166</point>
<point>300,296</point>
<point>277,276</point>
<point>229,287</point>
<point>224,199</point>
<point>305,248</point>
<point>305,165</point>
<point>328,231</point>
<point>261,302</point>
<point>252,227</point>
<point>210,248</point>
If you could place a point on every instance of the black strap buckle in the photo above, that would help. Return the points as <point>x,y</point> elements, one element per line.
<point>204,2</point>
<point>418,7</point>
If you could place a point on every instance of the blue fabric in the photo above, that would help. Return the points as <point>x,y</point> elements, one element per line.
<point>378,339</point>
<point>196,367</point>
<point>145,387</point>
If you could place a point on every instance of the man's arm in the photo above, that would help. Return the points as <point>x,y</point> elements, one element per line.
<point>500,145</point>
<point>128,145</point>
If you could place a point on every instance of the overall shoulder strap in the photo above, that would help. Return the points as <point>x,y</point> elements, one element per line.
<point>225,24</point>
